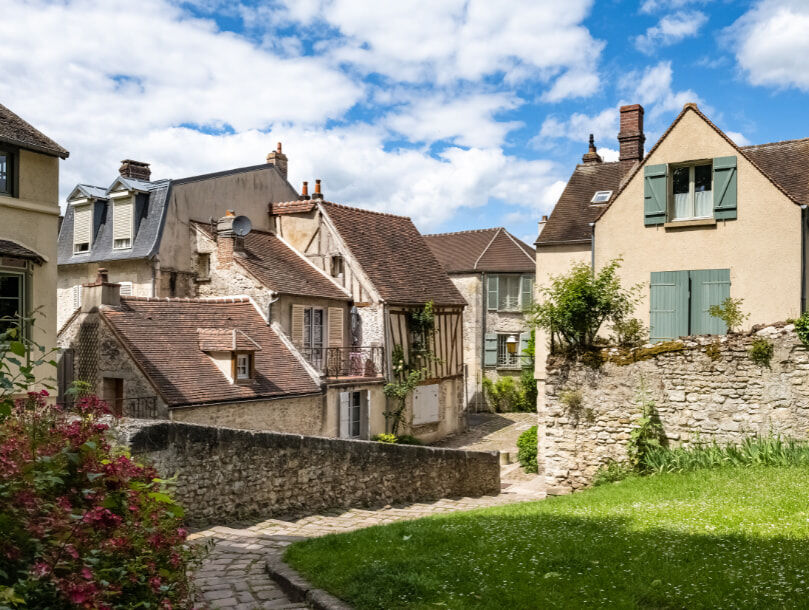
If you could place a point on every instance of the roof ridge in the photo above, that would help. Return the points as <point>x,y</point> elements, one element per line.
<point>205,223</point>
<point>751,146</point>
<point>462,232</point>
<point>517,242</point>
<point>349,207</point>
<point>233,299</point>
<point>486,249</point>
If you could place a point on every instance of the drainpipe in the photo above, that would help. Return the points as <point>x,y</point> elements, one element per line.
<point>804,228</point>
<point>593,247</point>
<point>155,267</point>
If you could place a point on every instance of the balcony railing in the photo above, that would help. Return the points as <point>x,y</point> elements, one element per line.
<point>339,362</point>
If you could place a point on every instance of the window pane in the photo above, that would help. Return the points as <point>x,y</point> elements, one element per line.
<point>3,173</point>
<point>702,178</point>
<point>10,286</point>
<point>509,289</point>
<point>680,180</point>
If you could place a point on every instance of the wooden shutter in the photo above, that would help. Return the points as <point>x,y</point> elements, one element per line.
<point>708,287</point>
<point>493,289</point>
<point>724,188</point>
<point>82,224</point>
<point>527,291</point>
<point>655,191</point>
<point>345,421</point>
<point>668,312</point>
<point>76,296</point>
<point>335,327</point>
<point>490,349</point>
<point>122,217</point>
<point>297,325</point>
<point>524,340</point>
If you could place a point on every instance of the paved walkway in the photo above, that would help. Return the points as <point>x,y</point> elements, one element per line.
<point>233,574</point>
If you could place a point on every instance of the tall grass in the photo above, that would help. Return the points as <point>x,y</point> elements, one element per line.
<point>753,451</point>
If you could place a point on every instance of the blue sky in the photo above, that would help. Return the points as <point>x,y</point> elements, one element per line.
<point>460,113</point>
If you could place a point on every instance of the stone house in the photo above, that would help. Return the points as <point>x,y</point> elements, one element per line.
<point>390,273</point>
<point>137,228</point>
<point>213,361</point>
<point>29,208</point>
<point>494,271</point>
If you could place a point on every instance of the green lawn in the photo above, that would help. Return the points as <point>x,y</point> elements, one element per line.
<point>723,538</point>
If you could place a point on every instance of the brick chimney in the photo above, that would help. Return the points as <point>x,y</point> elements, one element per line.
<point>317,194</point>
<point>279,160</point>
<point>135,169</point>
<point>592,155</point>
<point>228,244</point>
<point>100,292</point>
<point>543,222</point>
<point>631,137</point>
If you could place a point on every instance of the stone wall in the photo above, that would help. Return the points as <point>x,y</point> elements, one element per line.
<point>227,474</point>
<point>705,387</point>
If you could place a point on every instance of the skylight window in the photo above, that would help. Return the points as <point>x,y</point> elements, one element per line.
<point>601,197</point>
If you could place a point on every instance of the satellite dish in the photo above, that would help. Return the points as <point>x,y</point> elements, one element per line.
<point>241,226</point>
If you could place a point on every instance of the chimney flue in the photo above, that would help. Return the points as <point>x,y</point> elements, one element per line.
<point>305,190</point>
<point>317,194</point>
<point>137,170</point>
<point>592,155</point>
<point>279,160</point>
<point>631,137</point>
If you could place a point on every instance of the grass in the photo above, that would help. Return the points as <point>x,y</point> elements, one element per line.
<point>720,538</point>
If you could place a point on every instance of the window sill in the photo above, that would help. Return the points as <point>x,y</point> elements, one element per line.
<point>685,224</point>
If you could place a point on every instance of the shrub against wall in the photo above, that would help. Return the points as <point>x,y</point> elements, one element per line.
<point>527,450</point>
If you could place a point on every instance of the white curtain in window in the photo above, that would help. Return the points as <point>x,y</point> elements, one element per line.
<point>703,204</point>
<point>682,207</point>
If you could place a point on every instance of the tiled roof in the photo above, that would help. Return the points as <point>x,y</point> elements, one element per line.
<point>225,340</point>
<point>573,213</point>
<point>163,337</point>
<point>16,131</point>
<point>278,267</point>
<point>292,207</point>
<point>15,250</point>
<point>785,163</point>
<point>481,250</point>
<point>394,256</point>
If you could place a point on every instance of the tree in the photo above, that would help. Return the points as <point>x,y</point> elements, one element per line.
<point>578,303</point>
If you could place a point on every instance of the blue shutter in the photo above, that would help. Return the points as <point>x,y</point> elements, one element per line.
<point>490,350</point>
<point>655,191</point>
<point>724,188</point>
<point>708,287</point>
<point>527,291</point>
<point>668,311</point>
<point>493,285</point>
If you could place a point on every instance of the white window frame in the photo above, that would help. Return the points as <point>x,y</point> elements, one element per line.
<point>601,197</point>
<point>242,367</point>
<point>504,302</point>
<point>691,191</point>
<point>505,360</point>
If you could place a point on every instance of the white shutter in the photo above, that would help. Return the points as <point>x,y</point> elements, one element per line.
<point>122,217</point>
<point>76,296</point>
<point>367,421</point>
<point>345,404</point>
<point>126,289</point>
<point>335,327</point>
<point>297,325</point>
<point>82,224</point>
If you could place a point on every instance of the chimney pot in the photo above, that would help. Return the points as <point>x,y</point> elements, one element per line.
<point>103,276</point>
<point>305,190</point>
<point>592,155</point>
<point>137,170</point>
<point>631,137</point>
<point>317,194</point>
<point>279,160</point>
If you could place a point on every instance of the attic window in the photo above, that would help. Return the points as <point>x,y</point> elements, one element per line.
<point>82,228</point>
<point>122,222</point>
<point>336,265</point>
<point>601,197</point>
<point>243,366</point>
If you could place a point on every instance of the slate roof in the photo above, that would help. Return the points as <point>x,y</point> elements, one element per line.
<point>494,250</point>
<point>14,250</point>
<point>162,335</point>
<point>15,130</point>
<point>278,267</point>
<point>394,256</point>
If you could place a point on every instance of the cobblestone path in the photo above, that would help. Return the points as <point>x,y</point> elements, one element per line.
<point>233,574</point>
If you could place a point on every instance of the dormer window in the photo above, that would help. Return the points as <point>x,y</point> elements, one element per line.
<point>123,210</point>
<point>244,366</point>
<point>601,197</point>
<point>82,227</point>
<point>692,192</point>
<point>232,351</point>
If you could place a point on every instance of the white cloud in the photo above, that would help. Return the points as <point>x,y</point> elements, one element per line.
<point>738,138</point>
<point>578,127</point>
<point>652,88</point>
<point>670,30</point>
<point>771,44</point>
<point>652,6</point>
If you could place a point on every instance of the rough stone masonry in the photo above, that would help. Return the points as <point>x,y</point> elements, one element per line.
<point>223,473</point>
<point>704,388</point>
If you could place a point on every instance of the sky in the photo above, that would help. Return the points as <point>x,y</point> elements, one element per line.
<point>461,114</point>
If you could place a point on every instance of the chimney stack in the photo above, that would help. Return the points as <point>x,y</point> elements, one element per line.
<point>542,224</point>
<point>592,155</point>
<point>317,194</point>
<point>100,292</point>
<point>228,244</point>
<point>279,160</point>
<point>135,169</point>
<point>631,137</point>
<point>305,191</point>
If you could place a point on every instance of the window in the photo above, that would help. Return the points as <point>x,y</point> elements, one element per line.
<point>12,300</point>
<point>601,197</point>
<point>351,404</point>
<point>6,173</point>
<point>692,195</point>
<point>337,265</point>
<point>510,292</point>
<point>82,228</point>
<point>313,335</point>
<point>508,350</point>
<point>122,222</point>
<point>242,366</point>
<point>203,266</point>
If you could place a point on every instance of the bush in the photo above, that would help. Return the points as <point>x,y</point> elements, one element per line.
<point>802,328</point>
<point>83,524</point>
<point>730,312</point>
<point>612,473</point>
<point>527,450</point>
<point>761,352</point>
<point>407,439</point>
<point>385,438</point>
<point>629,332</point>
<point>646,434</point>
<point>505,395</point>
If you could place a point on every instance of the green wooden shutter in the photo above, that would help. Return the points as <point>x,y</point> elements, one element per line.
<point>490,350</point>
<point>527,290</point>
<point>708,287</point>
<point>494,293</point>
<point>655,190</point>
<point>524,339</point>
<point>724,188</point>
<point>668,311</point>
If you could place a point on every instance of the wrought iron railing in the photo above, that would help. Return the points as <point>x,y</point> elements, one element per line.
<point>333,362</point>
<point>141,408</point>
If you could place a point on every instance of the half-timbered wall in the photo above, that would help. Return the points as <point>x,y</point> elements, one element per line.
<point>446,342</point>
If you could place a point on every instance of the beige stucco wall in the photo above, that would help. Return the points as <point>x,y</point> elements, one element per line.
<point>451,412</point>
<point>470,285</point>
<point>762,247</point>
<point>32,220</point>
<point>373,418</point>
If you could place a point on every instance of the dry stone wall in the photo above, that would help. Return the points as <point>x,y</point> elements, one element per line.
<point>704,388</point>
<point>227,474</point>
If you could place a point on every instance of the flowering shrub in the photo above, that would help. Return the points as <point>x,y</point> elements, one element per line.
<point>81,524</point>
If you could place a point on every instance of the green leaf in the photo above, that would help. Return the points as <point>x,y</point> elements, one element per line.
<point>17,347</point>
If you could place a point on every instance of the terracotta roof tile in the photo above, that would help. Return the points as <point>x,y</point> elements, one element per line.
<point>272,262</point>
<point>163,337</point>
<point>394,255</point>
<point>785,163</point>
<point>15,130</point>
<point>481,250</point>
<point>292,207</point>
<point>225,339</point>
